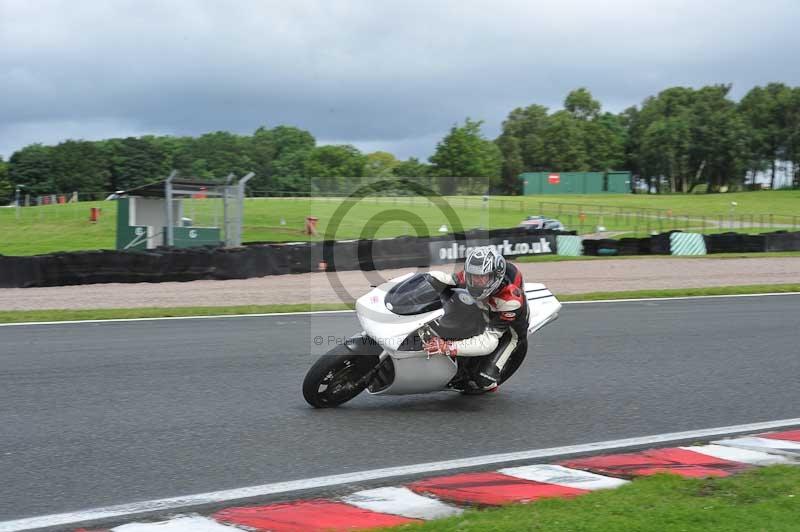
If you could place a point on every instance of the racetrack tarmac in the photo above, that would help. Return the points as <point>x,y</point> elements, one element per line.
<point>99,414</point>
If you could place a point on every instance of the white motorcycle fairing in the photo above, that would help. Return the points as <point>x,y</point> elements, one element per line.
<point>416,371</point>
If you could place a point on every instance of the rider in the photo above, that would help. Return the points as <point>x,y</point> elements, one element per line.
<point>498,289</point>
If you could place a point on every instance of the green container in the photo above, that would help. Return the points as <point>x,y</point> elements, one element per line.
<point>576,182</point>
<point>188,237</point>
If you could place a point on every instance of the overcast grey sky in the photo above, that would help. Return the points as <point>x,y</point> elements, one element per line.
<point>380,74</point>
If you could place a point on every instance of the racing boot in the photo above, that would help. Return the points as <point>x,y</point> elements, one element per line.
<point>488,374</point>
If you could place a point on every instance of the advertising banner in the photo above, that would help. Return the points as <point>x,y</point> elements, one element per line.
<point>443,251</point>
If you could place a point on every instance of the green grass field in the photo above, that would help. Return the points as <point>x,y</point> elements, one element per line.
<point>66,227</point>
<point>765,499</point>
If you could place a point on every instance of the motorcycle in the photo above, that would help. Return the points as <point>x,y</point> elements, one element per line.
<point>397,317</point>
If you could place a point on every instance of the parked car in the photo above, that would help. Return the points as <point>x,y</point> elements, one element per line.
<point>535,223</point>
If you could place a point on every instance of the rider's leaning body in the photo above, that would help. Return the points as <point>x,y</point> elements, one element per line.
<point>498,289</point>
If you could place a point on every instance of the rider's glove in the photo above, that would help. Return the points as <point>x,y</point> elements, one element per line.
<point>437,346</point>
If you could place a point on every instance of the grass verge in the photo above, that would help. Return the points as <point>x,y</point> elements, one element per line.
<point>761,499</point>
<point>22,316</point>
<point>686,292</point>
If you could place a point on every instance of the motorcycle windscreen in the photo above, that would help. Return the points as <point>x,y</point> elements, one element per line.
<point>415,295</point>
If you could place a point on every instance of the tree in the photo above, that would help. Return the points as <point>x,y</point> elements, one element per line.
<point>328,166</point>
<point>605,137</point>
<point>665,149</point>
<point>136,161</point>
<point>5,185</point>
<point>718,141</point>
<point>767,112</point>
<point>380,164</point>
<point>293,147</point>
<point>794,137</point>
<point>581,104</point>
<point>288,139</point>
<point>686,137</point>
<point>513,165</point>
<point>80,165</point>
<point>411,167</point>
<point>287,173</point>
<point>261,151</point>
<point>564,146</point>
<point>32,166</point>
<point>464,153</point>
<point>527,126</point>
<point>578,138</point>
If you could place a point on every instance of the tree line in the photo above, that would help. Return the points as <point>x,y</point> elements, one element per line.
<point>674,141</point>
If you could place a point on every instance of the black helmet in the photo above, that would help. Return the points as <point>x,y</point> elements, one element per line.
<point>484,270</point>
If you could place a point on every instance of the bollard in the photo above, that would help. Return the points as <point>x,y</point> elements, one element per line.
<point>311,225</point>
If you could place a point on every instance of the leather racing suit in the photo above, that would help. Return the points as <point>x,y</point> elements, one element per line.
<point>506,314</point>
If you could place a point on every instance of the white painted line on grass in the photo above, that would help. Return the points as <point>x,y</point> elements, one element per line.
<point>272,314</point>
<point>216,497</point>
<point>403,502</point>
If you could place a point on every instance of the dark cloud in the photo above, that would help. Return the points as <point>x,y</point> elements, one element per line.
<point>381,75</point>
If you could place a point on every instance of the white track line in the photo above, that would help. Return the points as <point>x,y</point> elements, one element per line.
<point>216,497</point>
<point>270,314</point>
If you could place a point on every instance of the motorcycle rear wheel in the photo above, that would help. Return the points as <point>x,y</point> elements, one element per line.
<point>331,381</point>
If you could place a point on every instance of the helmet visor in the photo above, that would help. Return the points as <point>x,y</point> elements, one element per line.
<point>479,280</point>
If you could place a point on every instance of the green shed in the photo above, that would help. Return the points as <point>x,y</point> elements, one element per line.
<point>612,182</point>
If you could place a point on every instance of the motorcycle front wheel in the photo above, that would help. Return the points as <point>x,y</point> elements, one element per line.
<point>332,380</point>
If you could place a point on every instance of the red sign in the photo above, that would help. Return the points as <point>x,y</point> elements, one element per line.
<point>554,179</point>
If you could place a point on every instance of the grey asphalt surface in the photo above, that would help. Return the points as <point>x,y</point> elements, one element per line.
<point>99,414</point>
